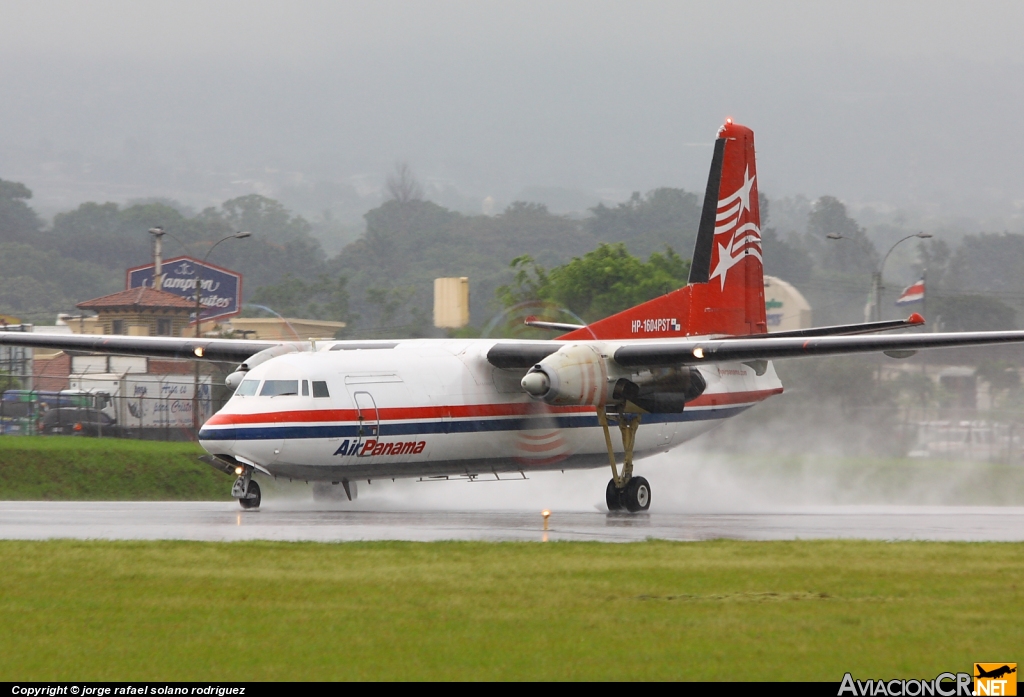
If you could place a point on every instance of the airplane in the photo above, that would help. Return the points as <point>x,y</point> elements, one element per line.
<point>661,373</point>
<point>995,673</point>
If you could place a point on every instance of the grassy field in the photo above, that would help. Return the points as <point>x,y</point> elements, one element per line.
<point>459,610</point>
<point>66,468</point>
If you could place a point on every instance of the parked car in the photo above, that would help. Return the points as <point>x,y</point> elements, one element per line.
<point>84,421</point>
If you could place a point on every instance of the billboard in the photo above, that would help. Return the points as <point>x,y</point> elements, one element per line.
<point>220,289</point>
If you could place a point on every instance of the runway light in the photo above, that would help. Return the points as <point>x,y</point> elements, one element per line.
<point>547,514</point>
<point>698,352</point>
<point>239,470</point>
<point>198,350</point>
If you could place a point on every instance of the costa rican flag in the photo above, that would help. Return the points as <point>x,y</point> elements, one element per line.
<point>912,294</point>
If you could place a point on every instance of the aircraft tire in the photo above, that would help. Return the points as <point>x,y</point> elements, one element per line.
<point>636,496</point>
<point>613,497</point>
<point>247,504</point>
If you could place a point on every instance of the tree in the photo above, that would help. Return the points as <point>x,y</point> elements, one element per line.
<point>598,284</point>
<point>973,313</point>
<point>987,263</point>
<point>788,261</point>
<point>388,302</point>
<point>402,185</point>
<point>260,215</point>
<point>853,254</point>
<point>115,237</point>
<point>322,298</point>
<point>18,222</point>
<point>36,284</point>
<point>661,218</point>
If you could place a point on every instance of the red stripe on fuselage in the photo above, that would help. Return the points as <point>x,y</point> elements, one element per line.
<point>459,411</point>
<point>456,411</point>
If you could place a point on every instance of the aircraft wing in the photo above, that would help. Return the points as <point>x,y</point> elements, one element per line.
<point>694,352</point>
<point>220,350</point>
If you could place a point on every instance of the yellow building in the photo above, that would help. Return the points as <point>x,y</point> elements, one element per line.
<point>281,328</point>
<point>786,308</point>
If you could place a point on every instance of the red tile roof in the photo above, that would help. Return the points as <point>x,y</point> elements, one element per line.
<point>139,298</point>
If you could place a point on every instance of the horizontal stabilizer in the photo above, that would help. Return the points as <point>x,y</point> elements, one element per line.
<point>560,326</point>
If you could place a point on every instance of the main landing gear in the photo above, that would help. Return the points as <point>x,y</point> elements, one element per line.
<point>246,490</point>
<point>624,491</point>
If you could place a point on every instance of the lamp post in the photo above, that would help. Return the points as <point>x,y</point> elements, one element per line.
<point>158,232</point>
<point>876,276</point>
<point>199,309</point>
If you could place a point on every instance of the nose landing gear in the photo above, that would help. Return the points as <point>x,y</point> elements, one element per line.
<point>246,490</point>
<point>624,491</point>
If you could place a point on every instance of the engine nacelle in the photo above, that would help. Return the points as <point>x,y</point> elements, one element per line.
<point>575,375</point>
<point>235,379</point>
<point>662,391</point>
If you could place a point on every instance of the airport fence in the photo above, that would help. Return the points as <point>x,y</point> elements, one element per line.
<point>140,406</point>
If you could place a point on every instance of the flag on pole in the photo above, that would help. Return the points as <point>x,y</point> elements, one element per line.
<point>912,294</point>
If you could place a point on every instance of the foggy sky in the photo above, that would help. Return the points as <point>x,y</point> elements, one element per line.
<point>889,103</point>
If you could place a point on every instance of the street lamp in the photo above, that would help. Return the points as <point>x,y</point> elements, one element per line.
<point>876,276</point>
<point>199,270</point>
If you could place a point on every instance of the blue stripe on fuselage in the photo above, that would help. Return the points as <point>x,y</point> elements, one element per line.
<point>417,428</point>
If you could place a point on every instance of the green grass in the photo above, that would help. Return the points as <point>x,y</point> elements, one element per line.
<point>67,468</point>
<point>461,610</point>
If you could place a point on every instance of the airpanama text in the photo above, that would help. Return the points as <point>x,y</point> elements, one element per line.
<point>372,447</point>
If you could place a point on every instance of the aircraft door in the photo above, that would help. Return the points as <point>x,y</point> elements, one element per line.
<point>369,417</point>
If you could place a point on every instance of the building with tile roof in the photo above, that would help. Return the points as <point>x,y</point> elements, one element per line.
<point>140,312</point>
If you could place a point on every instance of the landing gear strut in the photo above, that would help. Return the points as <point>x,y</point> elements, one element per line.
<point>624,491</point>
<point>246,490</point>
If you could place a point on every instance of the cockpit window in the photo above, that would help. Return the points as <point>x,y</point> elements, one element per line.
<point>320,389</point>
<point>278,388</point>
<point>305,388</point>
<point>247,388</point>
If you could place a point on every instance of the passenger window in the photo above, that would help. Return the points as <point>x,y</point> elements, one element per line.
<point>247,388</point>
<point>320,389</point>
<point>305,388</point>
<point>279,388</point>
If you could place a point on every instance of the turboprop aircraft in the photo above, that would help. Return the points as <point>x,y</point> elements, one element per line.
<point>661,373</point>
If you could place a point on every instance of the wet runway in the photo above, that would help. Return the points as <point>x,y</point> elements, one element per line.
<point>283,521</point>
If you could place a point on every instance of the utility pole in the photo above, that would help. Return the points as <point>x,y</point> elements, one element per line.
<point>158,271</point>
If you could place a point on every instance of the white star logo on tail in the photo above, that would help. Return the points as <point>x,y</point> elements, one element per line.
<point>744,240</point>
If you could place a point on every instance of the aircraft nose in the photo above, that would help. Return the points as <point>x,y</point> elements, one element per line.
<point>536,384</point>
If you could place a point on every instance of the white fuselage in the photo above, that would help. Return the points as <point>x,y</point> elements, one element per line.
<point>436,407</point>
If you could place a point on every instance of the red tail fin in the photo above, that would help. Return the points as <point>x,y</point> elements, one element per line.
<point>725,293</point>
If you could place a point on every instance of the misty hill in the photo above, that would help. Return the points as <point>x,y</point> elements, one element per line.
<point>409,243</point>
<point>389,269</point>
<point>382,281</point>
